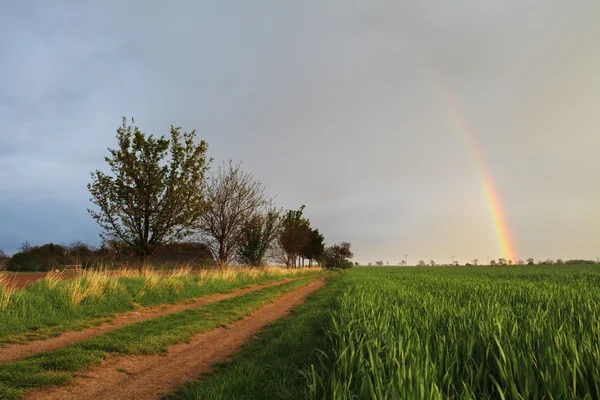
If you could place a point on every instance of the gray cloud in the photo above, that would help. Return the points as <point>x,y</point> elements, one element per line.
<point>337,105</point>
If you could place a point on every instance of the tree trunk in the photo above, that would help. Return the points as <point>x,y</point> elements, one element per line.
<point>142,263</point>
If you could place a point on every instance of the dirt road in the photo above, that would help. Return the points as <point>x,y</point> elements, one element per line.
<point>14,352</point>
<point>146,377</point>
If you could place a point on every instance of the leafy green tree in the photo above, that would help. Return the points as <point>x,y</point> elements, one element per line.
<point>154,193</point>
<point>530,261</point>
<point>339,255</point>
<point>502,261</point>
<point>294,235</point>
<point>258,234</point>
<point>315,249</point>
<point>22,262</point>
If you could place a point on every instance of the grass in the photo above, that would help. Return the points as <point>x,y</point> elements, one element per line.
<point>149,337</point>
<point>272,366</point>
<point>469,333</point>
<point>54,305</point>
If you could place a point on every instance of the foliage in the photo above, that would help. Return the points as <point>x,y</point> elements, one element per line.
<point>315,248</point>
<point>233,198</point>
<point>294,236</point>
<point>22,262</point>
<point>402,333</point>
<point>338,256</point>
<point>257,236</point>
<point>154,194</point>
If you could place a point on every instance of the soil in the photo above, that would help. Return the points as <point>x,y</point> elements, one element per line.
<point>19,280</point>
<point>147,377</point>
<point>15,352</point>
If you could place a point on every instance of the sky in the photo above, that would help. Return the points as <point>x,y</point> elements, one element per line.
<point>387,119</point>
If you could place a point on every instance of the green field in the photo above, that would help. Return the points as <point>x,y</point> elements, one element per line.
<point>521,332</point>
<point>428,333</point>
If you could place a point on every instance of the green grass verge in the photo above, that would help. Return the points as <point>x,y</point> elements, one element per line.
<point>149,337</point>
<point>272,366</point>
<point>46,309</point>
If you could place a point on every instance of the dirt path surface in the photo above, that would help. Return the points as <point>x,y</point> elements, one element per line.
<point>147,377</point>
<point>15,352</point>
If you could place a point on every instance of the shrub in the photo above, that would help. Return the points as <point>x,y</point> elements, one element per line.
<point>22,262</point>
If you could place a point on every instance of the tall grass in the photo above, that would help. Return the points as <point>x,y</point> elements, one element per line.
<point>55,304</point>
<point>480,333</point>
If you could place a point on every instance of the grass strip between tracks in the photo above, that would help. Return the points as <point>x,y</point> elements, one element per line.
<point>54,305</point>
<point>273,365</point>
<point>58,367</point>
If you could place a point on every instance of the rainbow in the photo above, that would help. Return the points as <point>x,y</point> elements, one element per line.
<point>491,195</point>
<point>490,192</point>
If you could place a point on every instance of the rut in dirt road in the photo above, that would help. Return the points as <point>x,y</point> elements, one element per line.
<point>15,352</point>
<point>147,377</point>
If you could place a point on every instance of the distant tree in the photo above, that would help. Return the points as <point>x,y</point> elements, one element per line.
<point>432,263</point>
<point>25,247</point>
<point>233,199</point>
<point>3,254</point>
<point>257,236</point>
<point>510,262</point>
<point>455,263</point>
<point>356,264</point>
<point>520,262</point>
<point>154,192</point>
<point>294,235</point>
<point>549,261</point>
<point>560,261</point>
<point>492,262</point>
<point>403,263</point>
<point>370,264</point>
<point>315,248</point>
<point>530,261</point>
<point>502,261</point>
<point>475,261</point>
<point>421,263</point>
<point>338,255</point>
<point>22,262</point>
<point>379,263</point>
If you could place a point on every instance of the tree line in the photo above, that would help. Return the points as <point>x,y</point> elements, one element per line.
<point>161,191</point>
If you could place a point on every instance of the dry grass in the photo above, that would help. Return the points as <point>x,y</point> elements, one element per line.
<point>98,282</point>
<point>7,291</point>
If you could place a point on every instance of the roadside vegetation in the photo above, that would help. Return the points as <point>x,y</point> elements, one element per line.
<point>272,366</point>
<point>477,333</point>
<point>58,367</point>
<point>53,305</point>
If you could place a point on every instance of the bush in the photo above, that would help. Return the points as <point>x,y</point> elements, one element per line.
<point>22,262</point>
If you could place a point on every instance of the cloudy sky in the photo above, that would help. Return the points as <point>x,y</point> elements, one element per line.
<point>351,107</point>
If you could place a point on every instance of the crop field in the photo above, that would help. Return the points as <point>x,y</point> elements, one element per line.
<point>520,332</point>
<point>368,333</point>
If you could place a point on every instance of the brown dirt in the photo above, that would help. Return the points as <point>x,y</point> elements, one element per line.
<point>15,352</point>
<point>19,280</point>
<point>147,377</point>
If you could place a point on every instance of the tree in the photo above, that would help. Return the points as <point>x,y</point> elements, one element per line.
<point>421,263</point>
<point>530,261</point>
<point>475,261</point>
<point>559,261</point>
<point>338,256</point>
<point>233,198</point>
<point>492,262</point>
<point>25,247</point>
<point>379,263</point>
<point>257,236</point>
<point>22,262</point>
<point>294,235</point>
<point>154,192</point>
<point>315,248</point>
<point>432,263</point>
<point>502,261</point>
